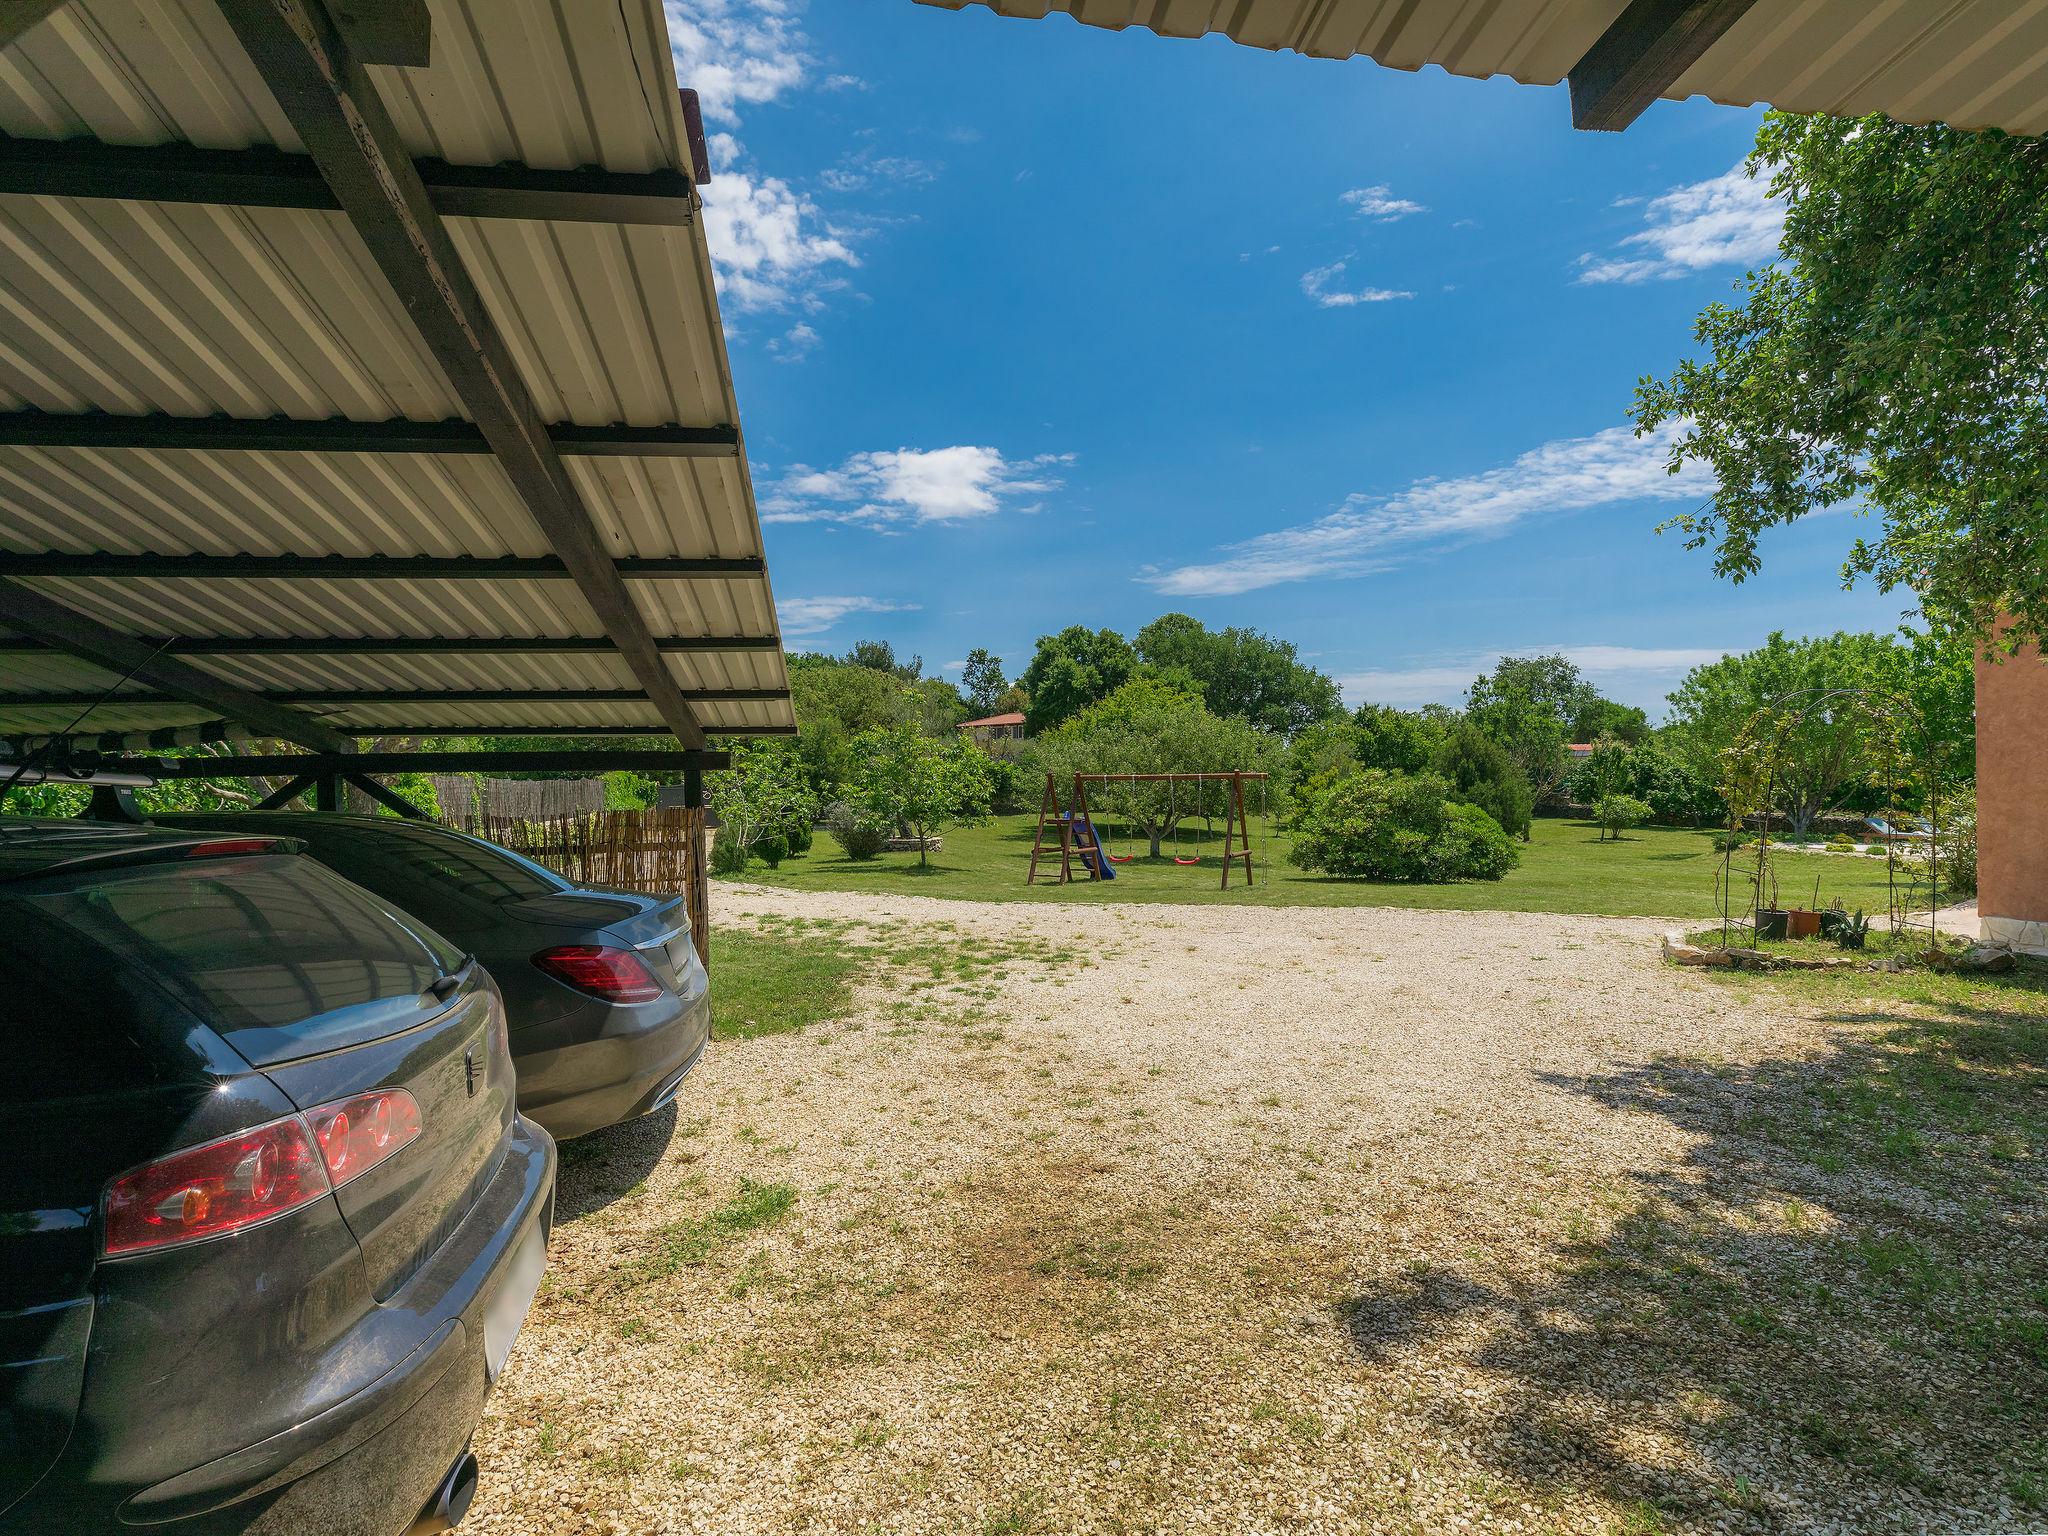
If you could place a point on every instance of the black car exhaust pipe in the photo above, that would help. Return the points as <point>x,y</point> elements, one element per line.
<point>451,1500</point>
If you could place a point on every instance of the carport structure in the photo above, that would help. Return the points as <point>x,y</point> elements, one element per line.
<point>361,376</point>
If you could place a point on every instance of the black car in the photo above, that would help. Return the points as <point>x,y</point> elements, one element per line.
<point>608,1003</point>
<point>268,1217</point>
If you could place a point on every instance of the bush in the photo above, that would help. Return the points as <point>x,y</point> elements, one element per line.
<point>771,849</point>
<point>1841,842</point>
<point>1617,813</point>
<point>1958,845</point>
<point>1473,846</point>
<point>798,837</point>
<point>858,835</point>
<point>1377,825</point>
<point>1482,773</point>
<point>728,855</point>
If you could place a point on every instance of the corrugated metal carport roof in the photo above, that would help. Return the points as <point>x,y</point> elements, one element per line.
<point>228,426</point>
<point>1970,63</point>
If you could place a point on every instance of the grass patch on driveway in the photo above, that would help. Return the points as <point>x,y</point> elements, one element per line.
<point>768,984</point>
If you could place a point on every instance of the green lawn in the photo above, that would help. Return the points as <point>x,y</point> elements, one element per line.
<point>1654,872</point>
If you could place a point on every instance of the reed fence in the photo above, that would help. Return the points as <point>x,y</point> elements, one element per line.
<point>659,851</point>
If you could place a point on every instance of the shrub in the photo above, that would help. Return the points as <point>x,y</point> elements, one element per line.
<point>1617,813</point>
<point>1481,773</point>
<point>728,855</point>
<point>859,836</point>
<point>770,849</point>
<point>798,837</point>
<point>1377,825</point>
<point>1958,845</point>
<point>1841,842</point>
<point>1473,846</point>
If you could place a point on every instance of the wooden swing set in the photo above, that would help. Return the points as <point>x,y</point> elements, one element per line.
<point>1070,832</point>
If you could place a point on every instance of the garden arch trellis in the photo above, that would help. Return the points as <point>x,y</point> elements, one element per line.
<point>1751,777</point>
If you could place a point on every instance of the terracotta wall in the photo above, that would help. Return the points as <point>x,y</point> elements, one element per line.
<point>2012,800</point>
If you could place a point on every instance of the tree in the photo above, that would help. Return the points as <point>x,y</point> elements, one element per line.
<point>1148,726</point>
<point>1617,813</point>
<point>836,700</point>
<point>1071,670</point>
<point>1599,717</point>
<point>1240,672</point>
<point>1821,744</point>
<point>920,783</point>
<point>1527,704</point>
<point>1481,772</point>
<point>981,680</point>
<point>1400,739</point>
<point>761,795</point>
<point>1895,357</point>
<point>880,656</point>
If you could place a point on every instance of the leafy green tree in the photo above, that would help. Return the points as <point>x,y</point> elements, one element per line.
<point>1071,670</point>
<point>1404,740</point>
<point>1895,357</point>
<point>1327,748</point>
<point>1480,771</point>
<point>1599,717</point>
<point>919,782</point>
<point>1824,745</point>
<point>880,656</point>
<point>836,700</point>
<point>1528,704</point>
<point>1241,672</point>
<point>761,796</point>
<point>1616,813</point>
<point>982,681</point>
<point>1148,726</point>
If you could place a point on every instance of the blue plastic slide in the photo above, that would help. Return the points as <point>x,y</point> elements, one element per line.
<point>1094,858</point>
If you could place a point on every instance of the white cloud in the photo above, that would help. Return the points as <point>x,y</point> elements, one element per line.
<point>815,615</point>
<point>737,53</point>
<point>1379,203</point>
<point>794,345</point>
<point>1371,533</point>
<point>1317,285</point>
<point>1639,675</point>
<point>770,243</point>
<point>858,171</point>
<point>1726,219</point>
<point>919,485</point>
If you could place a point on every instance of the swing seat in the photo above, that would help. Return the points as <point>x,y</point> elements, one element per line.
<point>1119,858</point>
<point>1179,860</point>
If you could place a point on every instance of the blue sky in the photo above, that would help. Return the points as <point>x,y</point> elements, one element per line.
<point>1035,324</point>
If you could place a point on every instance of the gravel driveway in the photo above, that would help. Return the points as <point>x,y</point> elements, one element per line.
<point>1236,1221</point>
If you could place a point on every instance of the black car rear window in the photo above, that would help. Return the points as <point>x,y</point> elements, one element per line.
<point>399,862</point>
<point>277,953</point>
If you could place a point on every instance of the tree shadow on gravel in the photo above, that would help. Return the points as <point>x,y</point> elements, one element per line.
<point>597,1169</point>
<point>1832,1311</point>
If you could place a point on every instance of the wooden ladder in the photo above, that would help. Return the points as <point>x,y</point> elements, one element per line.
<point>1072,842</point>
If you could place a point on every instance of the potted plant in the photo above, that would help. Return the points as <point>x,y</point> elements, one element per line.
<point>1804,922</point>
<point>1855,932</point>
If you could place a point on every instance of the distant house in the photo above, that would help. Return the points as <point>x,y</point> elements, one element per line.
<point>1009,727</point>
<point>1578,751</point>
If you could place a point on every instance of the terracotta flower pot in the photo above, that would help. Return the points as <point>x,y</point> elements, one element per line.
<point>1802,924</point>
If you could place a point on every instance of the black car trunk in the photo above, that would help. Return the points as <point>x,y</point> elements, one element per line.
<point>452,1060</point>
<point>658,927</point>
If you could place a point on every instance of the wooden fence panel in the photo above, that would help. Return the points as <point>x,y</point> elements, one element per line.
<point>660,851</point>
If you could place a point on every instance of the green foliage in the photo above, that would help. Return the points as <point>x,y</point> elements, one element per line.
<point>1328,747</point>
<point>982,683</point>
<point>417,789</point>
<point>1528,704</point>
<point>64,800</point>
<point>919,782</point>
<point>1895,356</point>
<point>1617,813</point>
<point>1240,673</point>
<point>1481,773</point>
<point>1474,846</point>
<point>1148,726</point>
<point>1406,741</point>
<point>1823,747</point>
<point>626,791</point>
<point>880,656</point>
<point>1596,717</point>
<point>836,700</point>
<point>765,794</point>
<point>1071,670</point>
<point>1372,824</point>
<point>729,856</point>
<point>859,833</point>
<point>770,849</point>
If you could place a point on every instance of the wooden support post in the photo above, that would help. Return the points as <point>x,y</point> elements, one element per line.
<point>286,793</point>
<point>327,791</point>
<point>387,797</point>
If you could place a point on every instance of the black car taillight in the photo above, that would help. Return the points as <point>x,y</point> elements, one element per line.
<point>254,1176</point>
<point>602,971</point>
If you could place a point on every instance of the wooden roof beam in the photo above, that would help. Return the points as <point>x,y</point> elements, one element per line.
<point>1643,54</point>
